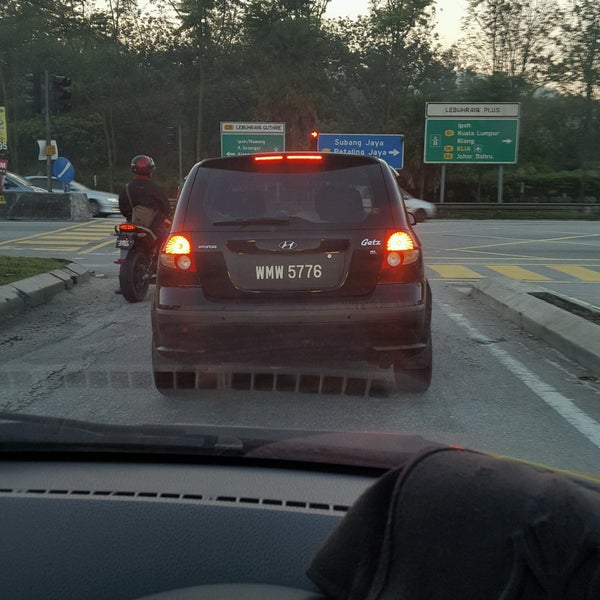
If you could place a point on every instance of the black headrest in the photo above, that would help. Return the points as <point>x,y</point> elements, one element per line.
<point>339,204</point>
<point>455,524</point>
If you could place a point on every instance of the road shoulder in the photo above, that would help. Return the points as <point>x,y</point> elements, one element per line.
<point>19,296</point>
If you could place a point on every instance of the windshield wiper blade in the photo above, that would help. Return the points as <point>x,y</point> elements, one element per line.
<point>255,221</point>
<point>25,434</point>
<point>35,432</point>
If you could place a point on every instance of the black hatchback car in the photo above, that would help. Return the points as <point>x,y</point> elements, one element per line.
<point>281,259</point>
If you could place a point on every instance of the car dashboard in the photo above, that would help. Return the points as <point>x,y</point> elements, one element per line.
<point>441,522</point>
<point>118,529</point>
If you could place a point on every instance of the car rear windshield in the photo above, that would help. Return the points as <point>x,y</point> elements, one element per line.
<point>333,192</point>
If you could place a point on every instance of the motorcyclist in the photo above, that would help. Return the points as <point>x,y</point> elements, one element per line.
<point>142,191</point>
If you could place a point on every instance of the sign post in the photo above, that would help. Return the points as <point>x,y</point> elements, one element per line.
<point>248,138</point>
<point>49,143</point>
<point>471,133</point>
<point>64,171</point>
<point>47,151</point>
<point>389,147</point>
<point>471,141</point>
<point>3,131</point>
<point>3,151</point>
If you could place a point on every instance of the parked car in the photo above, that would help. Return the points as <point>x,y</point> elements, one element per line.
<point>16,183</point>
<point>299,251</point>
<point>102,203</point>
<point>421,209</point>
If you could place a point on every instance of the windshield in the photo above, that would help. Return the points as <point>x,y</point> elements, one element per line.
<point>222,196</point>
<point>77,187</point>
<point>271,276</point>
<point>20,180</point>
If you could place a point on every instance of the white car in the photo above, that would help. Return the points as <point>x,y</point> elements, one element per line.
<point>102,204</point>
<point>421,209</point>
<point>16,183</point>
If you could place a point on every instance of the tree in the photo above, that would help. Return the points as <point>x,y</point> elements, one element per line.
<point>209,30</point>
<point>288,58</point>
<point>398,70</point>
<point>400,38</point>
<point>579,72</point>
<point>513,37</point>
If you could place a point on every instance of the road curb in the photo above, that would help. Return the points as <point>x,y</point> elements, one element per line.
<point>20,296</point>
<point>574,336</point>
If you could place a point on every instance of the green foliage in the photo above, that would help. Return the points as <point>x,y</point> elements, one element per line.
<point>14,268</point>
<point>138,71</point>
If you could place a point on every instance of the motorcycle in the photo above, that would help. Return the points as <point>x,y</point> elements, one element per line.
<point>139,252</point>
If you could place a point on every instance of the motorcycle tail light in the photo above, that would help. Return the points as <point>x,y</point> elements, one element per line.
<point>177,254</point>
<point>127,227</point>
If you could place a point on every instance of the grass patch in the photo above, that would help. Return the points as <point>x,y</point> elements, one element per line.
<point>13,268</point>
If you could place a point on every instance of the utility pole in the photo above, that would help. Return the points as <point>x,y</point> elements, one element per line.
<point>48,132</point>
<point>180,149</point>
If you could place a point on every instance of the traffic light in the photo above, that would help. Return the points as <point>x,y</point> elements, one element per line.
<point>314,139</point>
<point>172,138</point>
<point>61,95</point>
<point>33,92</point>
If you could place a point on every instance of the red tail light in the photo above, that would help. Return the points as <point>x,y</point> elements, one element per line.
<point>127,227</point>
<point>306,157</point>
<point>401,250</point>
<point>177,254</point>
<point>272,158</point>
<point>400,241</point>
<point>282,157</point>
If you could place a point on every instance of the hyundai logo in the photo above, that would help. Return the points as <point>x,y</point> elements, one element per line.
<point>287,245</point>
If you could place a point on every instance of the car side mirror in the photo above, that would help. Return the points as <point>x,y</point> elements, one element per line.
<point>412,219</point>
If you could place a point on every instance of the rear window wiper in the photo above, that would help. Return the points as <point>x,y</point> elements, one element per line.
<point>254,221</point>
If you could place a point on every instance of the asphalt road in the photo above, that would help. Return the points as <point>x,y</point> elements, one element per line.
<point>86,354</point>
<point>563,256</point>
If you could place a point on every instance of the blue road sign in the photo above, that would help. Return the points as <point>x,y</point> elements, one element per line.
<point>389,147</point>
<point>63,170</point>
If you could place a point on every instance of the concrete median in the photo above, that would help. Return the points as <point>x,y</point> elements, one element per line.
<point>549,319</point>
<point>32,206</point>
<point>19,296</point>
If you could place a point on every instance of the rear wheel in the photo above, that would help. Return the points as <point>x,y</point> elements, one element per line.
<point>410,379</point>
<point>179,379</point>
<point>134,276</point>
<point>412,372</point>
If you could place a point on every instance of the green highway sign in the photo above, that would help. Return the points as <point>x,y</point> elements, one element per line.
<point>469,140</point>
<point>250,138</point>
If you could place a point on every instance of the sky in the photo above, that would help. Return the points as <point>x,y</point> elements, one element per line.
<point>448,15</point>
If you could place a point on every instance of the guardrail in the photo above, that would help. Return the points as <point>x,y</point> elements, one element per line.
<point>522,210</point>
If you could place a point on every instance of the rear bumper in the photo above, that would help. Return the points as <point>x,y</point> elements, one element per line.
<point>395,317</point>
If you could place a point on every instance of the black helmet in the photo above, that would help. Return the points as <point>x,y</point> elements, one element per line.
<point>142,165</point>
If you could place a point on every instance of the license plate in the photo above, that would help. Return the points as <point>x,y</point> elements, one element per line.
<point>123,243</point>
<point>321,271</point>
<point>288,272</point>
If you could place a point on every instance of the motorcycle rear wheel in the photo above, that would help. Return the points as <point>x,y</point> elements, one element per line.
<point>134,276</point>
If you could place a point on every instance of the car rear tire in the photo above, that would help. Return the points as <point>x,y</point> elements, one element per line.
<point>172,379</point>
<point>414,380</point>
<point>163,379</point>
<point>412,372</point>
